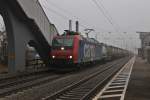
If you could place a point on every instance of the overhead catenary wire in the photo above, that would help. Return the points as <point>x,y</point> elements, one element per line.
<point>64,17</point>
<point>46,6</point>
<point>55,12</point>
<point>49,11</point>
<point>63,13</point>
<point>108,14</point>
<point>83,23</point>
<point>103,12</point>
<point>68,12</point>
<point>62,9</point>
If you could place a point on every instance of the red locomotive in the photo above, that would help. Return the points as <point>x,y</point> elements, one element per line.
<point>65,48</point>
<point>73,49</point>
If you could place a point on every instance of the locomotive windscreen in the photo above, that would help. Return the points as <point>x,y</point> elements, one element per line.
<point>62,42</point>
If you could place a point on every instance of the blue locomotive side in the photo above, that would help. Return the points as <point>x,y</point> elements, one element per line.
<point>89,51</point>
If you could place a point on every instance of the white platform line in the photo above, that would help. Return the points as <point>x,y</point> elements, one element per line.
<point>110,96</point>
<point>108,91</point>
<point>119,83</point>
<point>133,61</point>
<point>113,87</point>
<point>125,71</point>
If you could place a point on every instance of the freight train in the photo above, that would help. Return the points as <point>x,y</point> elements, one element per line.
<point>73,49</point>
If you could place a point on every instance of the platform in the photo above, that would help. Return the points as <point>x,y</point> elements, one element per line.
<point>139,84</point>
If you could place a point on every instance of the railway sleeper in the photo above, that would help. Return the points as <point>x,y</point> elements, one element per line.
<point>72,96</point>
<point>75,93</point>
<point>66,98</point>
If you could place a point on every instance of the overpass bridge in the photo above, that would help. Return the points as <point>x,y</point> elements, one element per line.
<point>26,23</point>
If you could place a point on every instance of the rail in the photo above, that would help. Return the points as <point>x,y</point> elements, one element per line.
<point>80,89</point>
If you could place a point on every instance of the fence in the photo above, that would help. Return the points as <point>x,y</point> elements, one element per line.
<point>35,64</point>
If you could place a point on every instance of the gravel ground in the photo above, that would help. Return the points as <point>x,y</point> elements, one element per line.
<point>36,93</point>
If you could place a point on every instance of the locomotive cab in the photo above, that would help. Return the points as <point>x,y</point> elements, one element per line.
<point>62,47</point>
<point>64,50</point>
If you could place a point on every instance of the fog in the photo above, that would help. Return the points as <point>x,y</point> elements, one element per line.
<point>115,21</point>
<point>126,16</point>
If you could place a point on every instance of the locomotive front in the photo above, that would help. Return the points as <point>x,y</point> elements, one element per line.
<point>64,50</point>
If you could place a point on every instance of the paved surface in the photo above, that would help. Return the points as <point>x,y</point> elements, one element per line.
<point>139,85</point>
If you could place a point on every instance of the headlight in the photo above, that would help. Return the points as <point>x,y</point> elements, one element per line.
<point>70,57</point>
<point>62,48</point>
<point>53,57</point>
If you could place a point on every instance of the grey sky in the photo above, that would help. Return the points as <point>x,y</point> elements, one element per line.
<point>128,16</point>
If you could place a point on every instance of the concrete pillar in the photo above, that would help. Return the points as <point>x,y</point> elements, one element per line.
<point>20,30</point>
<point>18,37</point>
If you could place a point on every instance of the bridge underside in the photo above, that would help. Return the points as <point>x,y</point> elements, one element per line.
<point>21,31</point>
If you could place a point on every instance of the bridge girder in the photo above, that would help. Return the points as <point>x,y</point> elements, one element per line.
<point>21,31</point>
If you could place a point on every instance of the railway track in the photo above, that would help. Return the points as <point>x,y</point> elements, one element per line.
<point>35,88</point>
<point>117,86</point>
<point>16,84</point>
<point>14,76</point>
<point>84,89</point>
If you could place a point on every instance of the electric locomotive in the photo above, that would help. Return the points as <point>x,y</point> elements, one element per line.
<point>73,49</point>
<point>64,49</point>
